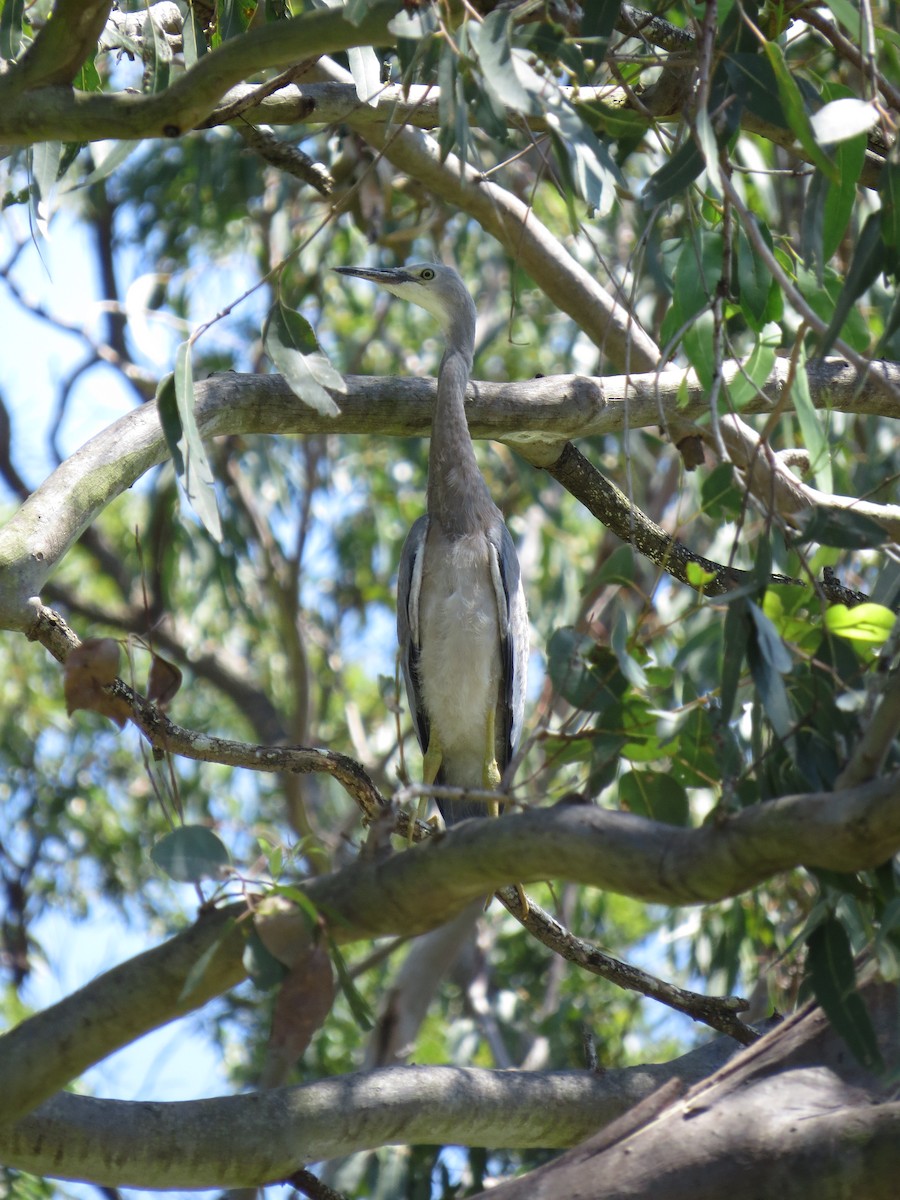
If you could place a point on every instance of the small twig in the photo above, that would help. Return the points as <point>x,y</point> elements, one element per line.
<point>718,1012</point>
<point>227,111</point>
<point>285,157</point>
<point>165,736</point>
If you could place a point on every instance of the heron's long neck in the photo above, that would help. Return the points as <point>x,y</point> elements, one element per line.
<point>458,497</point>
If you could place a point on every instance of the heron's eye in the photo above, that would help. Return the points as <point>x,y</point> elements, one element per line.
<point>427,274</point>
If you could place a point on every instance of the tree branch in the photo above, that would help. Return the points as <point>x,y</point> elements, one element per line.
<point>718,1012</point>
<point>793,1116</point>
<point>246,1141</point>
<point>42,114</point>
<point>537,417</point>
<point>68,38</point>
<point>611,506</point>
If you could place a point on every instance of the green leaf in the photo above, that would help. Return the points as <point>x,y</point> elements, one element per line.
<point>628,664</point>
<point>291,344</point>
<point>675,175</point>
<point>194,38</point>
<point>618,568</point>
<point>191,853</point>
<point>113,155</point>
<point>597,23</point>
<point>584,674</point>
<point>710,147</point>
<point>790,627</point>
<point>769,640</point>
<point>720,494</point>
<point>867,622</point>
<point>697,344</point>
<point>755,280</point>
<point>833,978</point>
<point>409,25</point>
<point>157,56</point>
<point>12,29</point>
<point>595,173</point>
<point>840,199</point>
<point>501,72</point>
<point>795,111</point>
<point>889,191</point>
<point>45,161</point>
<point>88,78</point>
<point>747,383</point>
<point>167,406</point>
<point>772,693</point>
<point>362,1014</point>
<point>813,435</point>
<point>356,11</point>
<point>867,263</point>
<point>754,83</point>
<point>849,15</point>
<point>736,634</point>
<point>233,18</point>
<point>840,527</point>
<point>654,795</point>
<point>697,275</point>
<point>698,577</point>
<point>365,67</point>
<point>197,477</point>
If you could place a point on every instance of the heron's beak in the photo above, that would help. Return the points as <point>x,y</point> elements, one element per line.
<point>382,275</point>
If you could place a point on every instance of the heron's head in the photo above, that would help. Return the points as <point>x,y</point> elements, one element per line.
<point>432,286</point>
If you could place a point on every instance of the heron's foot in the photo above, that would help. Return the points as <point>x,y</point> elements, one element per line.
<point>415,818</point>
<point>490,781</point>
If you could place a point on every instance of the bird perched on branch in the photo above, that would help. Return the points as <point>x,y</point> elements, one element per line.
<point>461,617</point>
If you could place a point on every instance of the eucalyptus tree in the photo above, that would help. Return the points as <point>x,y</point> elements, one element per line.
<point>681,233</point>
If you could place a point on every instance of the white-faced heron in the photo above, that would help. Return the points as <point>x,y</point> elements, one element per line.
<point>461,618</point>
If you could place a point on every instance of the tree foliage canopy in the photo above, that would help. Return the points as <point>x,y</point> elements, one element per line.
<point>682,231</point>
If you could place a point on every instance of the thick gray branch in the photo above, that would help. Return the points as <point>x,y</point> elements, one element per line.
<point>246,1141</point>
<point>850,830</point>
<point>416,890</point>
<point>41,114</point>
<point>793,1117</point>
<point>531,416</point>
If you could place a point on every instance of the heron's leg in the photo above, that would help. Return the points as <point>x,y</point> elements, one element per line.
<point>431,764</point>
<point>492,780</point>
<point>491,777</point>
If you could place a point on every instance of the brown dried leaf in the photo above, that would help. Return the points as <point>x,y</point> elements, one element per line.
<point>304,1001</point>
<point>89,668</point>
<point>163,682</point>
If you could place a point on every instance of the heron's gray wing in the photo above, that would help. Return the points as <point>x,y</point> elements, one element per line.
<point>513,619</point>
<point>409,587</point>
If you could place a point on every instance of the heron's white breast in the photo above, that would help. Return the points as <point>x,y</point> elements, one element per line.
<point>459,634</point>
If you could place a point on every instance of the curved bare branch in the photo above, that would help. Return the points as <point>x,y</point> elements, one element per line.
<point>49,113</point>
<point>532,416</point>
<point>246,1141</point>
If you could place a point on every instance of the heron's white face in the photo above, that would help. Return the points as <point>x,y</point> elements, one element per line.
<point>434,287</point>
